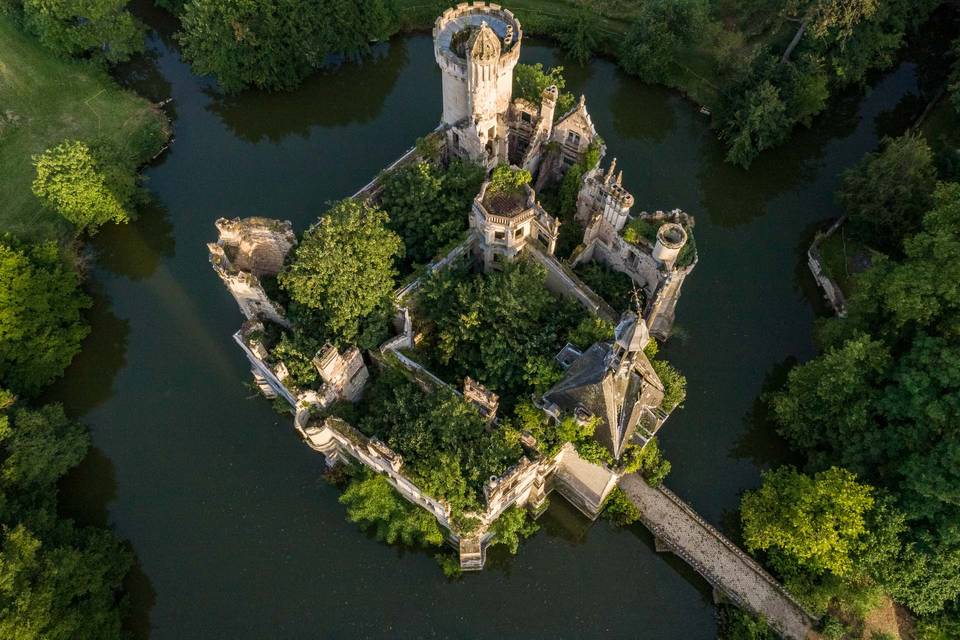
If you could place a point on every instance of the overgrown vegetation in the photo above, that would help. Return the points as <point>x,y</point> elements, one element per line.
<point>374,505</point>
<point>571,231</point>
<point>342,274</point>
<point>880,402</point>
<point>446,447</point>
<point>530,80</point>
<point>429,207</point>
<point>498,328</point>
<point>615,287</point>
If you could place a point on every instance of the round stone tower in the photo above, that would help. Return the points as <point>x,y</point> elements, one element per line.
<point>670,240</point>
<point>477,46</point>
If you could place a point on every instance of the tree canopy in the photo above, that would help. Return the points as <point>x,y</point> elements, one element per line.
<point>343,269</point>
<point>86,190</point>
<point>56,580</point>
<point>529,81</point>
<point>816,521</point>
<point>373,504</point>
<point>41,322</point>
<point>429,206</point>
<point>888,192</point>
<point>275,44</point>
<point>101,29</point>
<point>658,33</point>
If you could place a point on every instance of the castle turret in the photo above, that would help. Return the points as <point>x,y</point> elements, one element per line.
<point>548,106</point>
<point>670,240</point>
<point>477,46</point>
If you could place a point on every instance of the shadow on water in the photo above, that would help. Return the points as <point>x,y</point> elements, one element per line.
<point>328,99</point>
<point>88,381</point>
<point>135,250</point>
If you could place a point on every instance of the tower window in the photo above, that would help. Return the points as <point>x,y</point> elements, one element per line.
<point>499,235</point>
<point>526,117</point>
<point>518,233</point>
<point>573,138</point>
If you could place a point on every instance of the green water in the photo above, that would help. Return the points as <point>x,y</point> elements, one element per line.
<point>236,534</point>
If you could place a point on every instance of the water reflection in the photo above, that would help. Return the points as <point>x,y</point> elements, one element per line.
<point>332,98</point>
<point>134,250</point>
<point>642,112</point>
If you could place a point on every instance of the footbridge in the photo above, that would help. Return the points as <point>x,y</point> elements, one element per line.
<point>679,529</point>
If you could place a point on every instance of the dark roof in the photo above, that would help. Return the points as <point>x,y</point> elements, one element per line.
<point>618,401</point>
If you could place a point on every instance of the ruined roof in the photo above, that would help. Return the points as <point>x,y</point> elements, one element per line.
<point>591,386</point>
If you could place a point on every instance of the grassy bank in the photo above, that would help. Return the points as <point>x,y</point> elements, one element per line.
<point>45,100</point>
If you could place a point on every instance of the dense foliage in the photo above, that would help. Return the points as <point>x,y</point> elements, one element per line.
<point>836,44</point>
<point>529,81</point>
<point>882,401</point>
<point>571,231</point>
<point>443,440</point>
<point>659,32</point>
<point>99,29</point>
<point>493,327</point>
<point>41,324</point>
<point>57,580</point>
<point>85,187</point>
<point>373,504</point>
<point>429,206</point>
<point>888,192</point>
<point>615,287</point>
<point>734,623</point>
<point>343,269</point>
<point>619,509</point>
<point>275,44</point>
<point>512,526</point>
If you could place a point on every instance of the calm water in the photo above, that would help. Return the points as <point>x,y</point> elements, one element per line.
<point>237,535</point>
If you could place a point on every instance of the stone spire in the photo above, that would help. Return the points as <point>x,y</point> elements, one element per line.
<point>484,44</point>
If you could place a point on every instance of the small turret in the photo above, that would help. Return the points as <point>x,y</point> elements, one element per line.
<point>670,240</point>
<point>548,104</point>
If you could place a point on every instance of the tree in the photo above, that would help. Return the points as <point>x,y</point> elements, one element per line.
<point>275,44</point>
<point>759,121</point>
<point>619,509</point>
<point>662,28</point>
<point>373,504</point>
<point>580,35</point>
<point>56,580</point>
<point>825,16</point>
<point>429,206</point>
<point>85,190</point>
<point>41,325</point>
<point>648,461</point>
<point>513,525</point>
<point>343,270</point>
<point>529,81</point>
<point>102,29</point>
<point>817,521</point>
<point>674,384</point>
<point>591,330</point>
<point>887,193</point>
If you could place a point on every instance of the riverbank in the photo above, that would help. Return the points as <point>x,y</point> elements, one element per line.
<point>46,100</point>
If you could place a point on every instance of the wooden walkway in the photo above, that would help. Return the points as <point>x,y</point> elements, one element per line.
<point>680,529</point>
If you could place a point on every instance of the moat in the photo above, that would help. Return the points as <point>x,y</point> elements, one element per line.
<point>237,534</point>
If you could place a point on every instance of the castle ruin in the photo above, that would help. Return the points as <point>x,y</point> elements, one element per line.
<point>613,382</point>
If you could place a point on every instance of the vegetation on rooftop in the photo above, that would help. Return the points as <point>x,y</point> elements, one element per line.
<point>530,81</point>
<point>498,328</point>
<point>429,207</point>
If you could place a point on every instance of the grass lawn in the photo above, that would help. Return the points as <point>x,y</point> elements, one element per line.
<point>45,100</point>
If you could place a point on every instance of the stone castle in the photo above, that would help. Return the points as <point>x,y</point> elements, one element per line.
<point>477,47</point>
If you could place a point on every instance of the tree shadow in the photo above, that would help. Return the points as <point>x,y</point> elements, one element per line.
<point>759,442</point>
<point>656,103</point>
<point>88,381</point>
<point>134,250</point>
<point>328,98</point>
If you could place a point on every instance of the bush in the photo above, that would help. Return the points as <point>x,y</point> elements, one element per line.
<point>619,509</point>
<point>590,331</point>
<point>615,287</point>
<point>373,504</point>
<point>529,81</point>
<point>513,525</point>
<point>647,461</point>
<point>674,385</point>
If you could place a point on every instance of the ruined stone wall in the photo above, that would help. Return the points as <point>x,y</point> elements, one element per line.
<point>563,281</point>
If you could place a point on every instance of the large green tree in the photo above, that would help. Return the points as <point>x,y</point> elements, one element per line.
<point>817,521</point>
<point>888,192</point>
<point>660,31</point>
<point>85,189</point>
<point>274,44</point>
<point>343,270</point>
<point>429,206</point>
<point>41,322</point>
<point>529,81</point>
<point>100,29</point>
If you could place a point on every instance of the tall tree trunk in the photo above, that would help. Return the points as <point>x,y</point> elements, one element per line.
<point>796,40</point>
